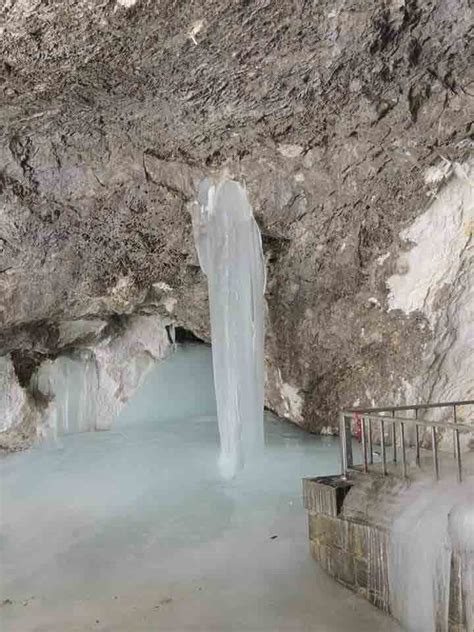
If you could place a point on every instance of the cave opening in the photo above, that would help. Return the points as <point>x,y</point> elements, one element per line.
<point>183,336</point>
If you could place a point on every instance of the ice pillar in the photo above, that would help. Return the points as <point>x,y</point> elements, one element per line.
<point>230,253</point>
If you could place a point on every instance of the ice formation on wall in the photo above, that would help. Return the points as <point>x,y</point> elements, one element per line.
<point>230,253</point>
<point>87,390</point>
<point>461,532</point>
<point>70,384</point>
<point>437,521</point>
<point>182,388</point>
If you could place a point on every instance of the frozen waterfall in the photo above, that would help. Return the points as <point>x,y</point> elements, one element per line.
<point>230,253</point>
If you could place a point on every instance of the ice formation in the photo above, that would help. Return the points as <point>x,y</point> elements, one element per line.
<point>230,253</point>
<point>461,531</point>
<point>136,528</point>
<point>71,385</point>
<point>178,389</point>
<point>437,521</point>
<point>88,389</point>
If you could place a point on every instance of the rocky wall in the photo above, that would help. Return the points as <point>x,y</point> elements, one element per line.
<point>350,124</point>
<point>83,388</point>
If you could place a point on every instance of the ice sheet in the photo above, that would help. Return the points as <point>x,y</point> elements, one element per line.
<point>135,530</point>
<point>436,519</point>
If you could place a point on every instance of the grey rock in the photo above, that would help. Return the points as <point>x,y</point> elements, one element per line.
<point>329,112</point>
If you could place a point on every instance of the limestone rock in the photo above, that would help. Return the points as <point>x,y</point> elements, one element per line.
<point>20,416</point>
<point>339,117</point>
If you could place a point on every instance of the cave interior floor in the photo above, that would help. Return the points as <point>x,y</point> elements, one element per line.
<point>133,529</point>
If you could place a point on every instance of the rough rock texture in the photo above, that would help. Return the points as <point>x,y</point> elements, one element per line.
<point>83,388</point>
<point>89,387</point>
<point>443,292</point>
<point>20,415</point>
<point>333,113</point>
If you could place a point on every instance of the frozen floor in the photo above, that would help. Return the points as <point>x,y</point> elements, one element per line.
<point>133,530</point>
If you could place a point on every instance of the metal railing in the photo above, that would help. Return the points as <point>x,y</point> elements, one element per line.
<point>370,416</point>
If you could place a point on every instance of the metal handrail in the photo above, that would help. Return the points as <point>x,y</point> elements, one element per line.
<point>419,422</point>
<point>369,415</point>
<point>467,402</point>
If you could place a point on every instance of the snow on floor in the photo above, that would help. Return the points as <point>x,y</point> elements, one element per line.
<point>134,530</point>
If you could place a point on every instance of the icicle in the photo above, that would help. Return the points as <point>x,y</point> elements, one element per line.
<point>230,253</point>
<point>461,530</point>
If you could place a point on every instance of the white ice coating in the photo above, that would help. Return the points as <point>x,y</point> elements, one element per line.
<point>71,385</point>
<point>88,390</point>
<point>437,522</point>
<point>461,532</point>
<point>229,247</point>
<point>134,530</point>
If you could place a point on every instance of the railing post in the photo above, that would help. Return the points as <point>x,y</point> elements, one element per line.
<point>417,441</point>
<point>457,452</point>
<point>369,415</point>
<point>382,447</point>
<point>369,447</point>
<point>402,441</point>
<point>394,438</point>
<point>346,444</point>
<point>341,445</point>
<point>434,448</point>
<point>454,433</point>
<point>350,460</point>
<point>364,444</point>
<point>457,447</point>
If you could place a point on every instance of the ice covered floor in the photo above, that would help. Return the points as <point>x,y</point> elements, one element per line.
<point>133,530</point>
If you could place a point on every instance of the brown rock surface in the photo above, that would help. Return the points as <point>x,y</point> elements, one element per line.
<point>329,112</point>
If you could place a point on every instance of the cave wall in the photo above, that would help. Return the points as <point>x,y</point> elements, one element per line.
<point>350,124</point>
<point>84,386</point>
<point>19,414</point>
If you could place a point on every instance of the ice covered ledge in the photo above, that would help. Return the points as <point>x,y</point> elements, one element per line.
<point>83,388</point>
<point>354,534</point>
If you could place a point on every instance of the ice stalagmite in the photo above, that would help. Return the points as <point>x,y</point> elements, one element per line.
<point>230,253</point>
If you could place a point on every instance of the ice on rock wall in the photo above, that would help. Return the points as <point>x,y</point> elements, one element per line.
<point>88,390</point>
<point>125,361</point>
<point>230,253</point>
<point>178,389</point>
<point>71,384</point>
<point>461,531</point>
<point>437,520</point>
<point>14,404</point>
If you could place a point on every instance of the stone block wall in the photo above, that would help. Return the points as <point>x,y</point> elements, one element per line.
<point>355,552</point>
